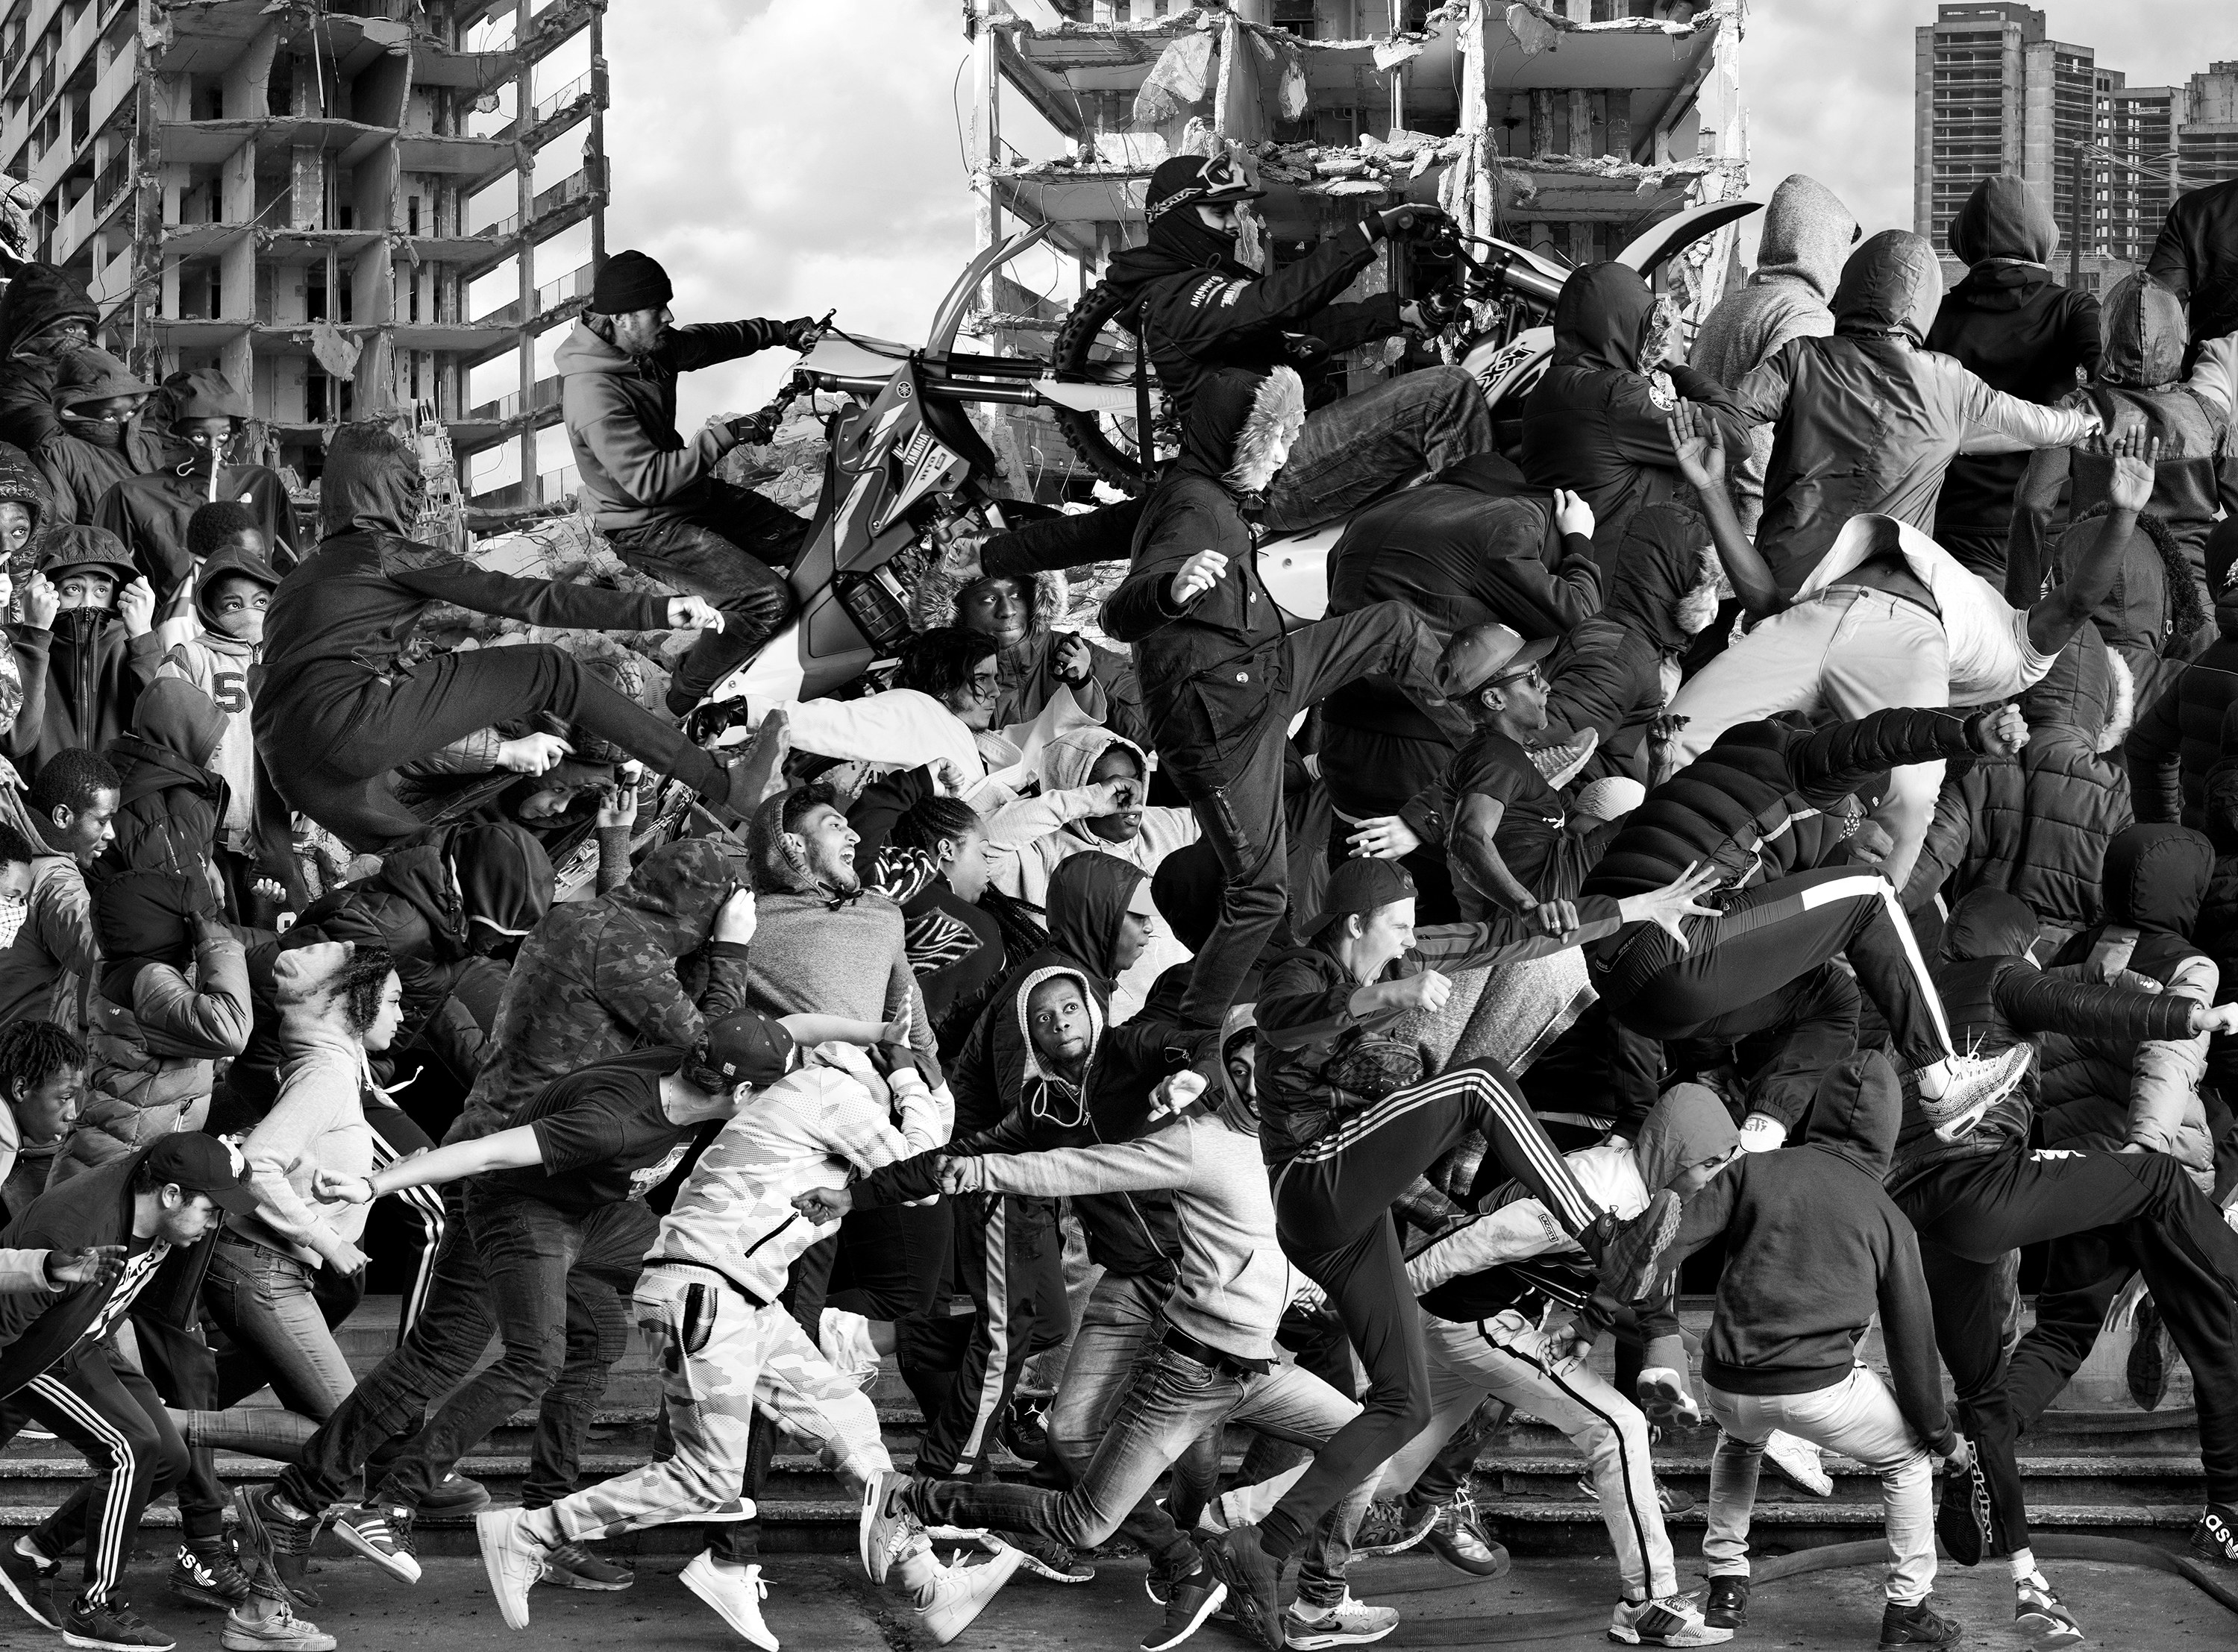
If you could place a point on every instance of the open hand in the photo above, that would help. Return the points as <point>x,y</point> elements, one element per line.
<point>135,603</point>
<point>95,1265</point>
<point>1386,838</point>
<point>1571,514</point>
<point>2003,732</point>
<point>2134,458</point>
<point>1698,445</point>
<point>330,1189</point>
<point>1669,908</point>
<point>684,612</point>
<point>1198,575</point>
<point>532,754</point>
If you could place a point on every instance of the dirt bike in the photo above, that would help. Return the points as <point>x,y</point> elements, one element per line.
<point>908,472</point>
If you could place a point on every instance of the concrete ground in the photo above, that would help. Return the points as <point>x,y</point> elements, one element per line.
<point>820,1604</point>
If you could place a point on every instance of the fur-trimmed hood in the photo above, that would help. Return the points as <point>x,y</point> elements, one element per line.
<point>1236,421</point>
<point>938,599</point>
<point>2089,689</point>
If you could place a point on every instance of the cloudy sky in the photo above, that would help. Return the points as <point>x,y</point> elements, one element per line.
<point>781,157</point>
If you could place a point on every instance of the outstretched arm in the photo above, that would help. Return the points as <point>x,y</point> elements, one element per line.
<point>2053,620</point>
<point>1700,447</point>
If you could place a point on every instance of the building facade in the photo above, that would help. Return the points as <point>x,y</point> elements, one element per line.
<point>319,199</point>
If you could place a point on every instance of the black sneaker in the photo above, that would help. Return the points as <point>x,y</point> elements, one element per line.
<point>2214,1538</point>
<point>2148,1371</point>
<point>1189,1602</point>
<point>1628,1256</point>
<point>1727,1605</point>
<point>1392,1526</point>
<point>205,1573</point>
<point>278,1538</point>
<point>28,1579</point>
<point>1254,1580</point>
<point>111,1627</point>
<point>1918,1624</point>
<point>1457,1537</point>
<point>456,1497</point>
<point>1961,1514</point>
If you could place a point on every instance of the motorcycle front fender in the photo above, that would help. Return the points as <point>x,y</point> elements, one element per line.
<point>1294,570</point>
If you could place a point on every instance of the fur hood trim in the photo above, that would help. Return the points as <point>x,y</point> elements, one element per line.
<point>1278,410</point>
<point>940,591</point>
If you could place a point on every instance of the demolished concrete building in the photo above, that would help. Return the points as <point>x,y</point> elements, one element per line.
<point>1568,127</point>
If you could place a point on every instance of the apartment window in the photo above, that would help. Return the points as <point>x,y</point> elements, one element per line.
<point>414,303</point>
<point>314,297</point>
<point>411,373</point>
<point>411,216</point>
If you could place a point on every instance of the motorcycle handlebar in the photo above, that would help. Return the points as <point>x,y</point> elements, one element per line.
<point>1525,278</point>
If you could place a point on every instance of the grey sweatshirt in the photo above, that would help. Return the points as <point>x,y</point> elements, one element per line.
<point>1234,1281</point>
<point>809,957</point>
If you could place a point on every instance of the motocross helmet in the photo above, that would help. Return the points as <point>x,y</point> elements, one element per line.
<point>1191,180</point>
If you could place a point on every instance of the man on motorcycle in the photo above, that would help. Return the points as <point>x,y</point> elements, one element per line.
<point>1203,309</point>
<point>656,496</point>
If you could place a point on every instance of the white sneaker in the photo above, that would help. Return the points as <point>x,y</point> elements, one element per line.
<point>1797,1460</point>
<point>844,1340</point>
<point>514,1559</point>
<point>1672,1621</point>
<point>280,1631</point>
<point>883,1530</point>
<point>1349,1622</point>
<point>1662,1394</point>
<point>735,1592</point>
<point>1978,1083</point>
<point>958,1594</point>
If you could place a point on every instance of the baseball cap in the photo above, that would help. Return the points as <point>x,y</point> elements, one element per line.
<point>1359,887</point>
<point>746,1048</point>
<point>1478,655</point>
<point>1188,180</point>
<point>1141,903</point>
<point>196,1163</point>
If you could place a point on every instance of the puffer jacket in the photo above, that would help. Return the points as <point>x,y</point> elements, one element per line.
<point>38,297</point>
<point>2037,824</point>
<point>620,412</point>
<point>2017,330</point>
<point>153,1031</point>
<point>169,805</point>
<point>1596,422</point>
<point>2178,735</point>
<point>1868,421</point>
<point>2156,878</point>
<point>2216,932</point>
<point>1807,233</point>
<point>2192,257</point>
<point>600,978</point>
<point>1615,672</point>
<point>1993,996</point>
<point>1026,669</point>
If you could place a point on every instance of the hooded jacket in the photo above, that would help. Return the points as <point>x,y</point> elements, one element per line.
<point>1596,421</point>
<point>1204,311</point>
<point>1867,421</point>
<point>820,950</point>
<point>171,804</point>
<point>620,412</point>
<point>346,619</point>
<point>2178,735</point>
<point>2015,328</point>
<point>1814,1248</point>
<point>1993,996</point>
<point>150,513</point>
<point>600,978</point>
<point>94,673</point>
<point>317,1121</point>
<point>2036,823</point>
<point>1807,233</point>
<point>153,1030</point>
<point>2156,878</point>
<point>467,892</point>
<point>1615,672</point>
<point>1026,669</point>
<point>23,669</point>
<point>2193,259</point>
<point>78,469</point>
<point>38,297</point>
<point>1028,840</point>
<point>221,666</point>
<point>1209,671</point>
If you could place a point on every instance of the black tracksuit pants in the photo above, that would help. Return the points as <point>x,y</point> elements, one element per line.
<point>341,731</point>
<point>1239,804</point>
<point>1760,965</point>
<point>1969,1213</point>
<point>1333,1214</point>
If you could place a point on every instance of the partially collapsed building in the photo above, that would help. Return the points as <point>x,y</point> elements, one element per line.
<point>1566,126</point>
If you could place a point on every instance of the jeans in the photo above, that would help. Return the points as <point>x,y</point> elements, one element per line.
<point>1121,1317</point>
<point>1172,1401</point>
<point>724,549</point>
<point>1368,443</point>
<point>1859,1418</point>
<point>262,1300</point>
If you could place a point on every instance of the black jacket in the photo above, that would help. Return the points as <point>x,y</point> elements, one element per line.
<point>1204,311</point>
<point>2178,735</point>
<point>38,296</point>
<point>1755,804</point>
<point>2197,258</point>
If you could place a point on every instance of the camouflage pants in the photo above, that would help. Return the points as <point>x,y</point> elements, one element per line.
<point>722,1355</point>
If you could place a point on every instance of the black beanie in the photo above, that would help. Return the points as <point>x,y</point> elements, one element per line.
<point>630,280</point>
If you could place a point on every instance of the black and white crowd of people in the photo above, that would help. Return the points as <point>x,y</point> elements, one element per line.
<point>1774,829</point>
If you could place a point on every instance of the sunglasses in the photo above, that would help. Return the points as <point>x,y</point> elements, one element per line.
<point>1530,674</point>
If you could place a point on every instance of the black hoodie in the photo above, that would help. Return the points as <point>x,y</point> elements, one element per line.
<point>1205,311</point>
<point>1814,1247</point>
<point>1595,423</point>
<point>93,672</point>
<point>2019,331</point>
<point>150,513</point>
<point>38,296</point>
<point>169,805</point>
<point>344,619</point>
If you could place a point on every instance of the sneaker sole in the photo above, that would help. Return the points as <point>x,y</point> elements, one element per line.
<point>1314,1640</point>
<point>558,1579</point>
<point>2043,1631</point>
<point>402,1567</point>
<point>1252,1622</point>
<point>1212,1603</point>
<point>489,1553</point>
<point>94,1643</point>
<point>1398,1548</point>
<point>205,1597</point>
<point>1027,1563</point>
<point>1668,1404</point>
<point>319,1643</point>
<point>866,1522</point>
<point>8,1584</point>
<point>754,1633</point>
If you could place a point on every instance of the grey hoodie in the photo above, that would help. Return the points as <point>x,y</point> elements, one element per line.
<point>1807,236</point>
